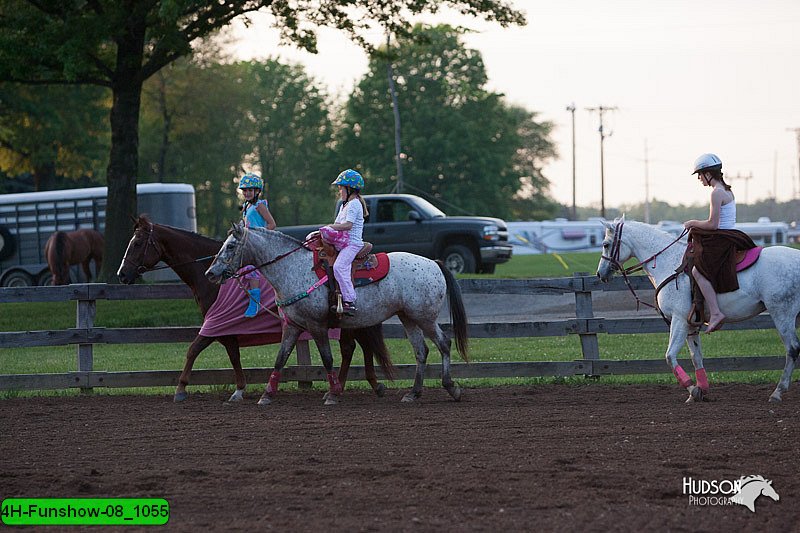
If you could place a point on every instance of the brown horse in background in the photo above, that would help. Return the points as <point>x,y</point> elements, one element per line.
<point>66,248</point>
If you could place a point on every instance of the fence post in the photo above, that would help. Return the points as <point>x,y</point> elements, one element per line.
<point>583,309</point>
<point>303,358</point>
<point>86,311</point>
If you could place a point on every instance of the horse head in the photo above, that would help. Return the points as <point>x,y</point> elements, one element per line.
<point>142,253</point>
<point>229,257</point>
<point>615,251</point>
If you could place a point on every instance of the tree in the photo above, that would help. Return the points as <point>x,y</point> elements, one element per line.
<point>459,140</point>
<point>120,44</point>
<point>53,133</point>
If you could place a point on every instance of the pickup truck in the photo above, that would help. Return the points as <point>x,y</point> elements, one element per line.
<point>407,223</point>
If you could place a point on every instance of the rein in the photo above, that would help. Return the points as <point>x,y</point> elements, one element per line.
<point>614,260</point>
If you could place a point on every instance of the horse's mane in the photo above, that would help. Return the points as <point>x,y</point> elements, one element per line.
<point>144,220</point>
<point>266,231</point>
<point>748,479</point>
<point>636,223</point>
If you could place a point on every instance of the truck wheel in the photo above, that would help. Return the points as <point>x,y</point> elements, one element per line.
<point>459,259</point>
<point>18,278</point>
<point>488,268</point>
<point>6,243</point>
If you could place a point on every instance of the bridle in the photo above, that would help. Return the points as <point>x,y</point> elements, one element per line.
<point>613,258</point>
<point>240,247</point>
<point>151,241</point>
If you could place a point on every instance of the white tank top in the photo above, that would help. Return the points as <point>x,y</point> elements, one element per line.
<point>727,215</point>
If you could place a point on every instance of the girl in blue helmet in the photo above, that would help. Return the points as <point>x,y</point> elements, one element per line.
<point>345,233</point>
<point>255,213</point>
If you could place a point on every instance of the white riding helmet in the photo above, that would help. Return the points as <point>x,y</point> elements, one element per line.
<point>707,162</point>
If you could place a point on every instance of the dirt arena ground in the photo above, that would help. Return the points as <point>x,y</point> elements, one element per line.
<point>550,457</point>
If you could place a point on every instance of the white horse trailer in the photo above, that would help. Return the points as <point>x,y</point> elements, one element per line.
<point>764,232</point>
<point>28,219</point>
<point>560,235</point>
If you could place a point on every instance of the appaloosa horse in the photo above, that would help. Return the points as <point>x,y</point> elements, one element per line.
<point>415,289</point>
<point>771,283</point>
<point>188,254</point>
<point>66,248</point>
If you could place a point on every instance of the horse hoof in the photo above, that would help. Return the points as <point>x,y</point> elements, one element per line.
<point>380,390</point>
<point>180,397</point>
<point>237,396</point>
<point>455,392</point>
<point>331,399</point>
<point>409,397</point>
<point>774,398</point>
<point>697,394</point>
<point>265,400</point>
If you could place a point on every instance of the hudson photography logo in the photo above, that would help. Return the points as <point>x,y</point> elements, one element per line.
<point>742,491</point>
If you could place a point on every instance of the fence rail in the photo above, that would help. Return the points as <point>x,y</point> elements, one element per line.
<point>585,324</point>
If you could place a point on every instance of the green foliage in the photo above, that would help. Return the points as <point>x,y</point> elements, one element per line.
<point>458,140</point>
<point>47,132</point>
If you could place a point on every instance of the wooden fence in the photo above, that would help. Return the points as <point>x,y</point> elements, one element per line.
<point>584,324</point>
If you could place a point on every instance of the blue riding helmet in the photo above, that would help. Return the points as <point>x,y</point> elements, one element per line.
<point>350,178</point>
<point>251,181</point>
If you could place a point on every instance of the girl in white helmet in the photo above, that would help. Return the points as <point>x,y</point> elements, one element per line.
<point>255,213</point>
<point>715,240</point>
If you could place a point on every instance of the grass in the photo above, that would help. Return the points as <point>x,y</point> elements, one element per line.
<point>157,313</point>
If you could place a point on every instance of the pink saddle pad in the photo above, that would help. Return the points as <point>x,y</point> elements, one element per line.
<point>750,257</point>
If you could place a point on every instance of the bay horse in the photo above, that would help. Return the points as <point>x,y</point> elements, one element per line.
<point>66,248</point>
<point>415,289</point>
<point>188,253</point>
<point>770,284</point>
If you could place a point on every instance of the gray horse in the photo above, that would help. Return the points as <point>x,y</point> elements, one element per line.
<point>415,289</point>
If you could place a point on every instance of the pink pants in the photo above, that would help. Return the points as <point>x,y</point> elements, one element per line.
<point>341,270</point>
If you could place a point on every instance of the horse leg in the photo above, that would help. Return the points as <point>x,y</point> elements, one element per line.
<point>231,344</point>
<point>199,344</point>
<point>417,340</point>
<point>86,271</point>
<point>784,323</point>
<point>324,348</point>
<point>677,336</point>
<point>442,342</point>
<point>693,343</point>
<point>290,335</point>
<point>347,346</point>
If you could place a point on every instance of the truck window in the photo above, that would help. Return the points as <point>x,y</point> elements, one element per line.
<point>392,211</point>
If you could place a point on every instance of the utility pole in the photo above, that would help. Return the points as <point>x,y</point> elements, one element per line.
<point>746,180</point>
<point>398,161</point>
<point>600,110</point>
<point>646,186</point>
<point>797,133</point>
<point>571,109</point>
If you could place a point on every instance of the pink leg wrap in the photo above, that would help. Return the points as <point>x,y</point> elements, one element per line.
<point>683,377</point>
<point>702,379</point>
<point>333,382</point>
<point>272,385</point>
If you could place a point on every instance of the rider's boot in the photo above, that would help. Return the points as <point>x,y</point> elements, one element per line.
<point>255,303</point>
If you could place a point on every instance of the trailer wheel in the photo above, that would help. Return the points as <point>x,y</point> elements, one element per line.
<point>6,243</point>
<point>18,278</point>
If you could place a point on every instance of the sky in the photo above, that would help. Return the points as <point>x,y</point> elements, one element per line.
<point>685,77</point>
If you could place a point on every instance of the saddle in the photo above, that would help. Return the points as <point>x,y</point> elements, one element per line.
<point>367,267</point>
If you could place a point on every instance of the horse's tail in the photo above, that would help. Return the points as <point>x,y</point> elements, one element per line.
<point>372,341</point>
<point>458,315</point>
<point>56,250</point>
